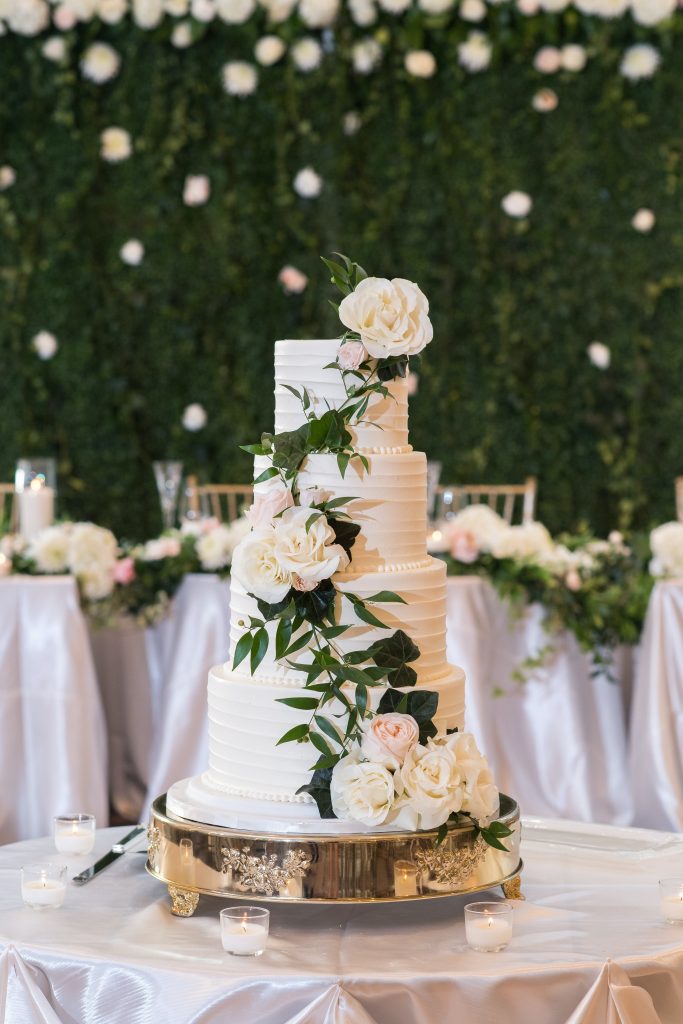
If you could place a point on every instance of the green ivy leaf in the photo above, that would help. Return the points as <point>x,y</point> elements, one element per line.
<point>394,654</point>
<point>299,732</point>
<point>267,474</point>
<point>283,635</point>
<point>300,703</point>
<point>345,533</point>
<point>319,789</point>
<point>259,647</point>
<point>319,743</point>
<point>385,597</point>
<point>242,650</point>
<point>298,643</point>
<point>327,727</point>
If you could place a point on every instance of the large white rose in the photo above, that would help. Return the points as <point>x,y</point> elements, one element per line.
<point>392,317</point>
<point>531,540</point>
<point>430,785</point>
<point>255,565</point>
<point>484,525</point>
<point>481,798</point>
<point>388,738</point>
<point>50,549</point>
<point>312,554</point>
<point>91,547</point>
<point>361,791</point>
<point>666,542</point>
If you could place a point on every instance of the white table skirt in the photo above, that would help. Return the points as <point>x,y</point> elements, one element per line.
<point>588,948</point>
<point>53,753</point>
<point>656,741</point>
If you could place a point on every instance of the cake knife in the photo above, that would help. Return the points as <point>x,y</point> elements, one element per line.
<point>117,850</point>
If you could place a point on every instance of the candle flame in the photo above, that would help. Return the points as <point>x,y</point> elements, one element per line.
<point>244,923</point>
<point>37,484</point>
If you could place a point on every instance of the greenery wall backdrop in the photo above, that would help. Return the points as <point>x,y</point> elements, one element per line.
<point>505,390</point>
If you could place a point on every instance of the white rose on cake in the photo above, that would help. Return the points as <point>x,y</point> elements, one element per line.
<point>255,565</point>
<point>361,791</point>
<point>430,786</point>
<point>666,542</point>
<point>311,553</point>
<point>387,739</point>
<point>481,798</point>
<point>391,317</point>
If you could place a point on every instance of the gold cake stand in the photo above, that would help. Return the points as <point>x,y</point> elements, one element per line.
<point>192,859</point>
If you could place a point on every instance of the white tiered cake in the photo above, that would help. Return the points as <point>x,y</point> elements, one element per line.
<point>252,781</point>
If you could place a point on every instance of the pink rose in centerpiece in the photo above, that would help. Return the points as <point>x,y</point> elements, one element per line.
<point>311,496</point>
<point>387,739</point>
<point>162,547</point>
<point>304,586</point>
<point>573,580</point>
<point>351,354</point>
<point>293,281</point>
<point>268,504</point>
<point>464,547</point>
<point>124,571</point>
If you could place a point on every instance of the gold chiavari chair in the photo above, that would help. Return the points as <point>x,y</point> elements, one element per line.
<point>505,499</point>
<point>226,502</point>
<point>8,508</point>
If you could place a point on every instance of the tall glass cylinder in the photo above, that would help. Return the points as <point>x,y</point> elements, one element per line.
<point>168,475</point>
<point>35,483</point>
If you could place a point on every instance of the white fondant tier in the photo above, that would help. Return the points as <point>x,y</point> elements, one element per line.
<point>246,721</point>
<point>302,364</point>
<point>391,505</point>
<point>422,617</point>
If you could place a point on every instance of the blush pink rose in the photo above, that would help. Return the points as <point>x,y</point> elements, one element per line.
<point>311,496</point>
<point>64,18</point>
<point>268,504</point>
<point>573,580</point>
<point>351,354</point>
<point>548,60</point>
<point>388,739</point>
<point>124,571</point>
<point>464,547</point>
<point>304,586</point>
<point>293,281</point>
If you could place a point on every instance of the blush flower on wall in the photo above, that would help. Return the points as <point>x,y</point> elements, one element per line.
<point>475,53</point>
<point>45,344</point>
<point>196,190</point>
<point>420,63</point>
<point>307,54</point>
<point>292,279</point>
<point>194,417</point>
<point>643,220</point>
<point>366,55</point>
<point>308,183</point>
<point>115,145</point>
<point>8,176</point>
<point>181,36</point>
<point>111,12</point>
<point>318,13</point>
<point>472,10</point>
<point>548,60</point>
<point>363,12</point>
<point>132,252</point>
<point>639,61</point>
<point>54,49</point>
<point>240,78</point>
<point>599,355</point>
<point>517,204</point>
<point>269,50</point>
<point>545,101</point>
<point>100,63</point>
<point>573,57</point>
<point>235,12</point>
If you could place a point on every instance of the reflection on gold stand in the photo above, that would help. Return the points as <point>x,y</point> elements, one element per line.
<point>194,858</point>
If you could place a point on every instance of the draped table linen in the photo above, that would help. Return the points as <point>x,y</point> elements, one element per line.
<point>53,753</point>
<point>589,947</point>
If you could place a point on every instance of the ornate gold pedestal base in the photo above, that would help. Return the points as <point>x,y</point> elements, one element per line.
<point>183,901</point>
<point>194,858</point>
<point>512,889</point>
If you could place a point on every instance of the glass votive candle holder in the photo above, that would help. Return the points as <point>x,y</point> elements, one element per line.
<point>43,886</point>
<point>405,878</point>
<point>671,899</point>
<point>74,833</point>
<point>488,926</point>
<point>244,930</point>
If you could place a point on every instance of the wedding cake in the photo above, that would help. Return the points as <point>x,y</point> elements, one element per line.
<point>337,710</point>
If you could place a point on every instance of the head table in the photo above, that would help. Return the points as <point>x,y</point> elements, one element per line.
<point>588,948</point>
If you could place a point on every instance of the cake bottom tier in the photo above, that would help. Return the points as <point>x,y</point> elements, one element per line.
<point>246,722</point>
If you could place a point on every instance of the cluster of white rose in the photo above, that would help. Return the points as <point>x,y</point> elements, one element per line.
<point>285,549</point>
<point>393,778</point>
<point>391,317</point>
<point>666,543</point>
<point>87,551</point>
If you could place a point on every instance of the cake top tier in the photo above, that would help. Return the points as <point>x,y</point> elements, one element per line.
<point>303,364</point>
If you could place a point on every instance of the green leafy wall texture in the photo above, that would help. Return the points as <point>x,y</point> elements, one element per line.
<point>506,389</point>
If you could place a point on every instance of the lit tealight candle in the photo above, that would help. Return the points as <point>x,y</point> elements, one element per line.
<point>74,833</point>
<point>671,900</point>
<point>43,886</point>
<point>488,926</point>
<point>405,878</point>
<point>244,930</point>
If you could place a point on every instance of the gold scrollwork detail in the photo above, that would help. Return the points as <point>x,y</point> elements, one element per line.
<point>264,874</point>
<point>512,889</point>
<point>183,901</point>
<point>451,867</point>
<point>153,843</point>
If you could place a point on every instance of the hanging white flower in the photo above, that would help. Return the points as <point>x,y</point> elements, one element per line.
<point>64,18</point>
<point>278,10</point>
<point>651,12</point>
<point>235,12</point>
<point>435,6</point>
<point>112,11</point>
<point>318,13</point>
<point>639,61</point>
<point>194,417</point>
<point>366,55</point>
<point>176,8</point>
<point>181,36</point>
<point>545,100</point>
<point>239,78</point>
<point>363,12</point>
<point>420,63</point>
<point>196,190</point>
<point>81,10</point>
<point>308,183</point>
<point>45,344</point>
<point>132,252</point>
<point>54,49</point>
<point>147,13</point>
<point>599,355</point>
<point>351,122</point>
<point>643,220</point>
<point>203,11</point>
<point>603,8</point>
<point>27,17</point>
<point>475,53</point>
<point>528,7</point>
<point>269,50</point>
<point>292,279</point>
<point>517,204</point>
<point>472,10</point>
<point>100,63</point>
<point>573,57</point>
<point>395,6</point>
<point>548,60</point>
<point>553,6</point>
<point>115,145</point>
<point>7,177</point>
<point>307,54</point>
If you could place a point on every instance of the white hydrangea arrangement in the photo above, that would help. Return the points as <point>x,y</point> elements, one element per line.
<point>666,543</point>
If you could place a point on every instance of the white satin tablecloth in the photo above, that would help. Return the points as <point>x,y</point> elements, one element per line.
<point>53,749</point>
<point>588,948</point>
<point>656,742</point>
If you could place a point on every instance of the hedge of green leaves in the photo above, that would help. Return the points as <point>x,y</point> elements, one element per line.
<point>506,389</point>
